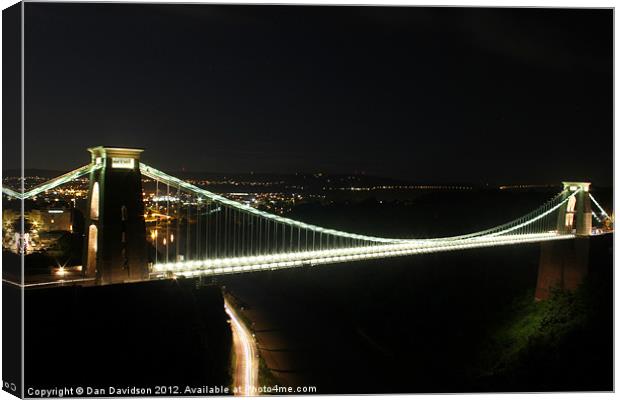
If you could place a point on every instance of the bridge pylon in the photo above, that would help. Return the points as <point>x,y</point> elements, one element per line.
<point>576,214</point>
<point>116,247</point>
<point>564,264</point>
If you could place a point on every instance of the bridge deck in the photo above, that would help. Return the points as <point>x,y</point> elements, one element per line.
<point>298,259</point>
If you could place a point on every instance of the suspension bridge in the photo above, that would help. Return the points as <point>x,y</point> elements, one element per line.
<point>195,232</point>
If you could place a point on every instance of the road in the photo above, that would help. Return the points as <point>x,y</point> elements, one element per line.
<point>246,361</point>
<point>303,338</point>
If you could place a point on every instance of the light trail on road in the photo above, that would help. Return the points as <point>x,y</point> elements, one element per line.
<point>246,365</point>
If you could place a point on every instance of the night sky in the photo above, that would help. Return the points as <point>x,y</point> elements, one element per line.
<point>425,94</point>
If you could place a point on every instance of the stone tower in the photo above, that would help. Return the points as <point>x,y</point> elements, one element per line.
<point>116,247</point>
<point>564,263</point>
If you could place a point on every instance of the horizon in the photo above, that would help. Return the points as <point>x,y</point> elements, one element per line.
<point>52,173</point>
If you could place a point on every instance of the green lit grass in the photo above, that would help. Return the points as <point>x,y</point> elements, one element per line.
<point>563,343</point>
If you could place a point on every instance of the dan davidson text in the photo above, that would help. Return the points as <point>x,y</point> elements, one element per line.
<point>80,391</point>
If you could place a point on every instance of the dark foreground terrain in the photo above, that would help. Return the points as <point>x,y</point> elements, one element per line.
<point>154,333</point>
<point>451,322</point>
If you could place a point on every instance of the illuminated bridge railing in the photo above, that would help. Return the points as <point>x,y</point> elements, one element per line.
<point>311,258</point>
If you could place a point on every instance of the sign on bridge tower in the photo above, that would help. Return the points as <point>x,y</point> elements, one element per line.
<point>116,247</point>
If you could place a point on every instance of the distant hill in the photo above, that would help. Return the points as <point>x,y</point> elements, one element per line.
<point>46,173</point>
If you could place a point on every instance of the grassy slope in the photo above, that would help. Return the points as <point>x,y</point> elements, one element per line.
<point>563,343</point>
